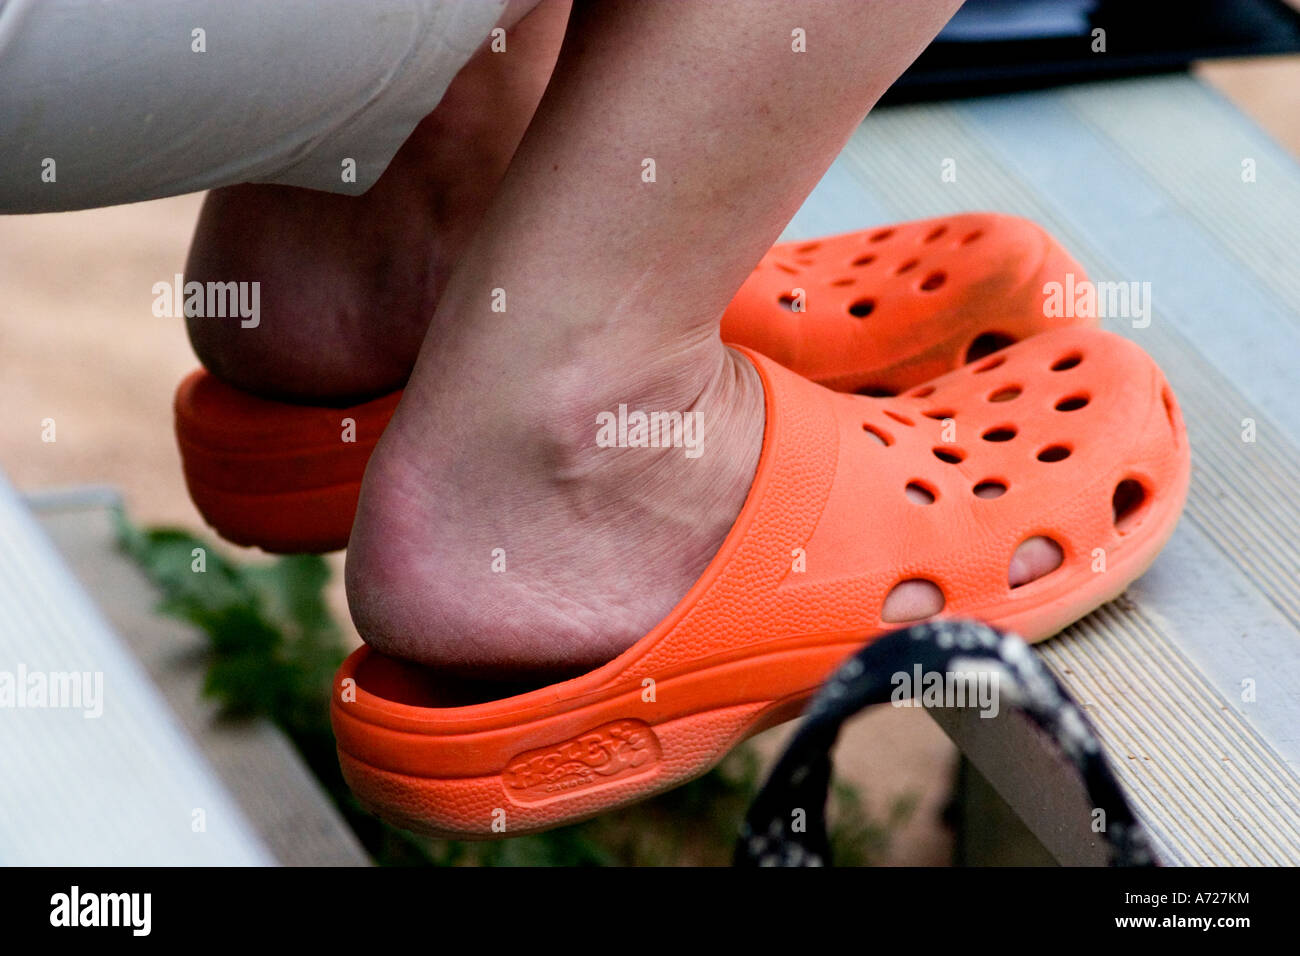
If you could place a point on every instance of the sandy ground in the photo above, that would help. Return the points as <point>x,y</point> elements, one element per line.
<point>79,344</point>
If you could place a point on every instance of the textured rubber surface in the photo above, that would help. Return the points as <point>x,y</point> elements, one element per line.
<point>282,477</point>
<point>882,310</point>
<point>277,476</point>
<point>1062,421</point>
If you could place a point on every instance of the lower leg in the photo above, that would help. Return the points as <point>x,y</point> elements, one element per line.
<point>613,285</point>
<point>349,283</point>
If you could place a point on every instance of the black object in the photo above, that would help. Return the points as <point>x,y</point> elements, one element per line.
<point>1141,37</point>
<point>797,787</point>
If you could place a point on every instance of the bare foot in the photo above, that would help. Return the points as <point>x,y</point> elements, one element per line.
<point>498,536</point>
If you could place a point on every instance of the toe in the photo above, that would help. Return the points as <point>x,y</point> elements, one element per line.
<point>1034,558</point>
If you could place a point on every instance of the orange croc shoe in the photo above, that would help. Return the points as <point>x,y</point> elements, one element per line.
<point>885,309</point>
<point>282,477</point>
<point>1077,429</point>
<point>881,310</point>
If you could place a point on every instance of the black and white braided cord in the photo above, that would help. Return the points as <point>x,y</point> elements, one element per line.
<point>802,776</point>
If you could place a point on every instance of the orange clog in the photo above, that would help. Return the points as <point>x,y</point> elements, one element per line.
<point>271,474</point>
<point>881,310</point>
<point>1076,430</point>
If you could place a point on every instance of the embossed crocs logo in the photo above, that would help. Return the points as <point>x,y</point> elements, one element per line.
<point>621,748</point>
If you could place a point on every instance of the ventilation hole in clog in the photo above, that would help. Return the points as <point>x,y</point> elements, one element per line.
<point>875,391</point>
<point>920,494</point>
<point>1067,361</point>
<point>808,247</point>
<point>883,437</point>
<point>1072,404</point>
<point>864,260</point>
<point>787,269</point>
<point>970,237</point>
<point>937,233</point>
<point>986,344</point>
<point>786,301</point>
<point>804,262</point>
<point>990,489</point>
<point>882,235</point>
<point>847,280</point>
<point>933,281</point>
<point>952,456</point>
<point>1127,504</point>
<point>922,392</point>
<point>939,414</point>
<point>1054,453</point>
<point>1005,394</point>
<point>1036,558</point>
<point>862,308</point>
<point>907,266</point>
<point>901,419</point>
<point>912,600</point>
<point>1001,433</point>
<point>990,365</point>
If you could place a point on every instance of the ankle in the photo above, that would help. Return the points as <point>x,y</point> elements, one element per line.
<point>610,409</point>
<point>626,399</point>
<point>543,544</point>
